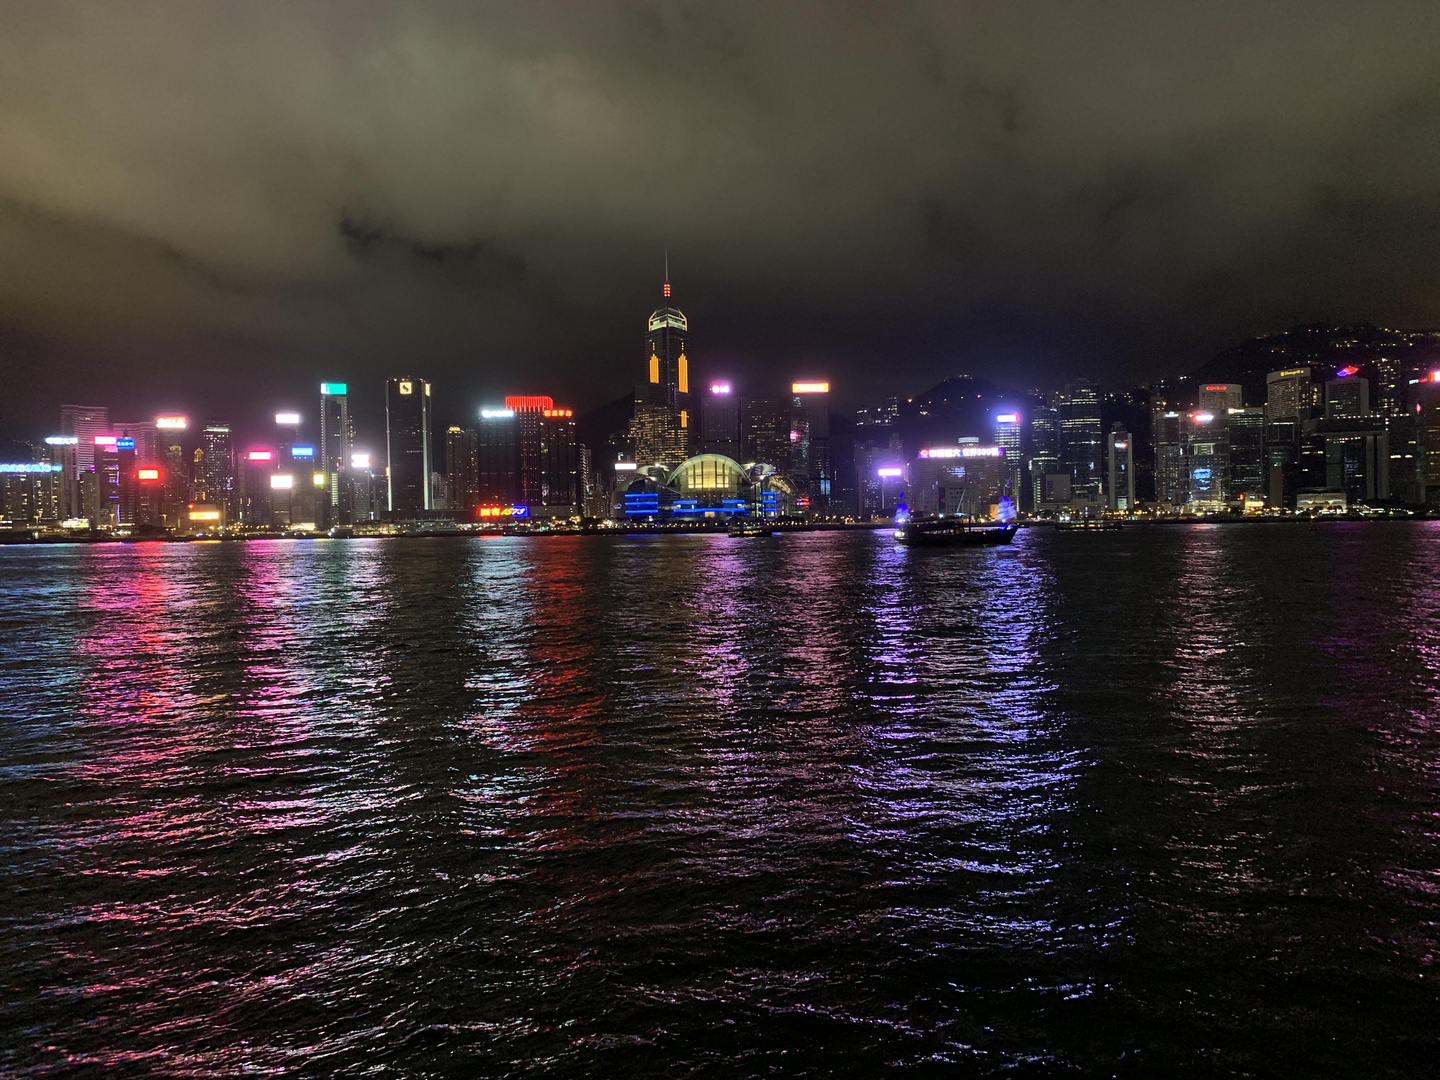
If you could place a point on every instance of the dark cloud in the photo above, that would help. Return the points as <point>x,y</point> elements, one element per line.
<point>230,201</point>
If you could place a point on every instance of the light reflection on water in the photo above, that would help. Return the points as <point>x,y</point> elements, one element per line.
<point>815,804</point>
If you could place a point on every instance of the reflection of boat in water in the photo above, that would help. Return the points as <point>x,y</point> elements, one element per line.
<point>1089,526</point>
<point>953,532</point>
<point>751,528</point>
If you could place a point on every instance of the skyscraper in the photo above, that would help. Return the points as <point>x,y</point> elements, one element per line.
<point>407,444</point>
<point>1247,453</point>
<point>1347,396</point>
<point>720,421</point>
<point>811,467</point>
<point>462,479</point>
<point>217,469</point>
<point>1219,398</point>
<point>84,422</point>
<point>1289,395</point>
<point>1044,452</point>
<point>333,453</point>
<point>1007,437</point>
<point>1172,484</point>
<point>1120,462</point>
<point>661,429</point>
<point>1081,440</point>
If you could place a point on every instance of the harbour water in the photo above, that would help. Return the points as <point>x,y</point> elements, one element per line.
<point>1157,802</point>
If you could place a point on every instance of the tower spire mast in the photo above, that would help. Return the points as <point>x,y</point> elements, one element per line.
<point>667,273</point>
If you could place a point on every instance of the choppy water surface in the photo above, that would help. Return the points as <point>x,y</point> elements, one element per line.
<point>1156,802</point>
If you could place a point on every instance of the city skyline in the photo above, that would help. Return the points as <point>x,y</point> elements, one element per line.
<point>901,196</point>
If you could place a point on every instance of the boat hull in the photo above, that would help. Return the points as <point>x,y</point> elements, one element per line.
<point>959,535</point>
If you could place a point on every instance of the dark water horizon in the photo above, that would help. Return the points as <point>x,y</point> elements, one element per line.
<point>1157,802</point>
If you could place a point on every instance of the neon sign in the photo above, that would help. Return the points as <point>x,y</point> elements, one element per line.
<point>502,511</point>
<point>259,455</point>
<point>359,461</point>
<point>719,388</point>
<point>204,515</point>
<point>333,389</point>
<point>496,414</point>
<point>964,452</point>
<point>625,466</point>
<point>889,471</point>
<point>172,422</point>
<point>810,388</point>
<point>557,413</point>
<point>28,467</point>
<point>124,444</point>
<point>62,440</point>
<point>105,440</point>
<point>1346,371</point>
<point>302,451</point>
<point>1008,418</point>
<point>282,482</point>
<point>148,474</point>
<point>529,402</point>
<point>287,419</point>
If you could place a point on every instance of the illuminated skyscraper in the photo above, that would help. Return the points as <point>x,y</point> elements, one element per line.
<point>407,444</point>
<point>1044,453</point>
<point>84,422</point>
<point>217,469</point>
<point>811,467</point>
<point>1289,395</point>
<point>336,446</point>
<point>1120,463</point>
<point>461,470</point>
<point>1081,440</point>
<point>1007,437</point>
<point>720,421</point>
<point>1219,398</point>
<point>663,426</point>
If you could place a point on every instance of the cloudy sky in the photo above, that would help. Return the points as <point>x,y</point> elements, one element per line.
<point>213,206</point>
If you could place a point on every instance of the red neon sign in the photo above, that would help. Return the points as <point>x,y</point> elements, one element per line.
<point>529,402</point>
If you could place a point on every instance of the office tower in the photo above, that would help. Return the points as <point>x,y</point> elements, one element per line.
<point>336,448</point>
<point>62,451</point>
<point>1247,453</point>
<point>720,421</point>
<point>526,455</point>
<point>811,464</point>
<point>1120,470</point>
<point>764,432</point>
<point>144,435</point>
<point>1282,464</point>
<point>1426,396</point>
<point>106,455</point>
<point>84,422</point>
<point>1219,398</point>
<point>1044,453</point>
<point>259,480</point>
<point>498,458</point>
<point>170,456</point>
<point>1007,437</point>
<point>407,444</point>
<point>462,468</point>
<point>661,426</point>
<point>1347,396</point>
<point>1357,457</point>
<point>1207,461</point>
<point>558,459</point>
<point>1389,384</point>
<point>1172,482</point>
<point>1288,395</point>
<point>968,479</point>
<point>1081,440</point>
<point>217,485</point>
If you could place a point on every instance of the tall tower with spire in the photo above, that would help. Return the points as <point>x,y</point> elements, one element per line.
<point>664,424</point>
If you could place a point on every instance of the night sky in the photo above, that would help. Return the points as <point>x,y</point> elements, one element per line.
<point>211,207</point>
